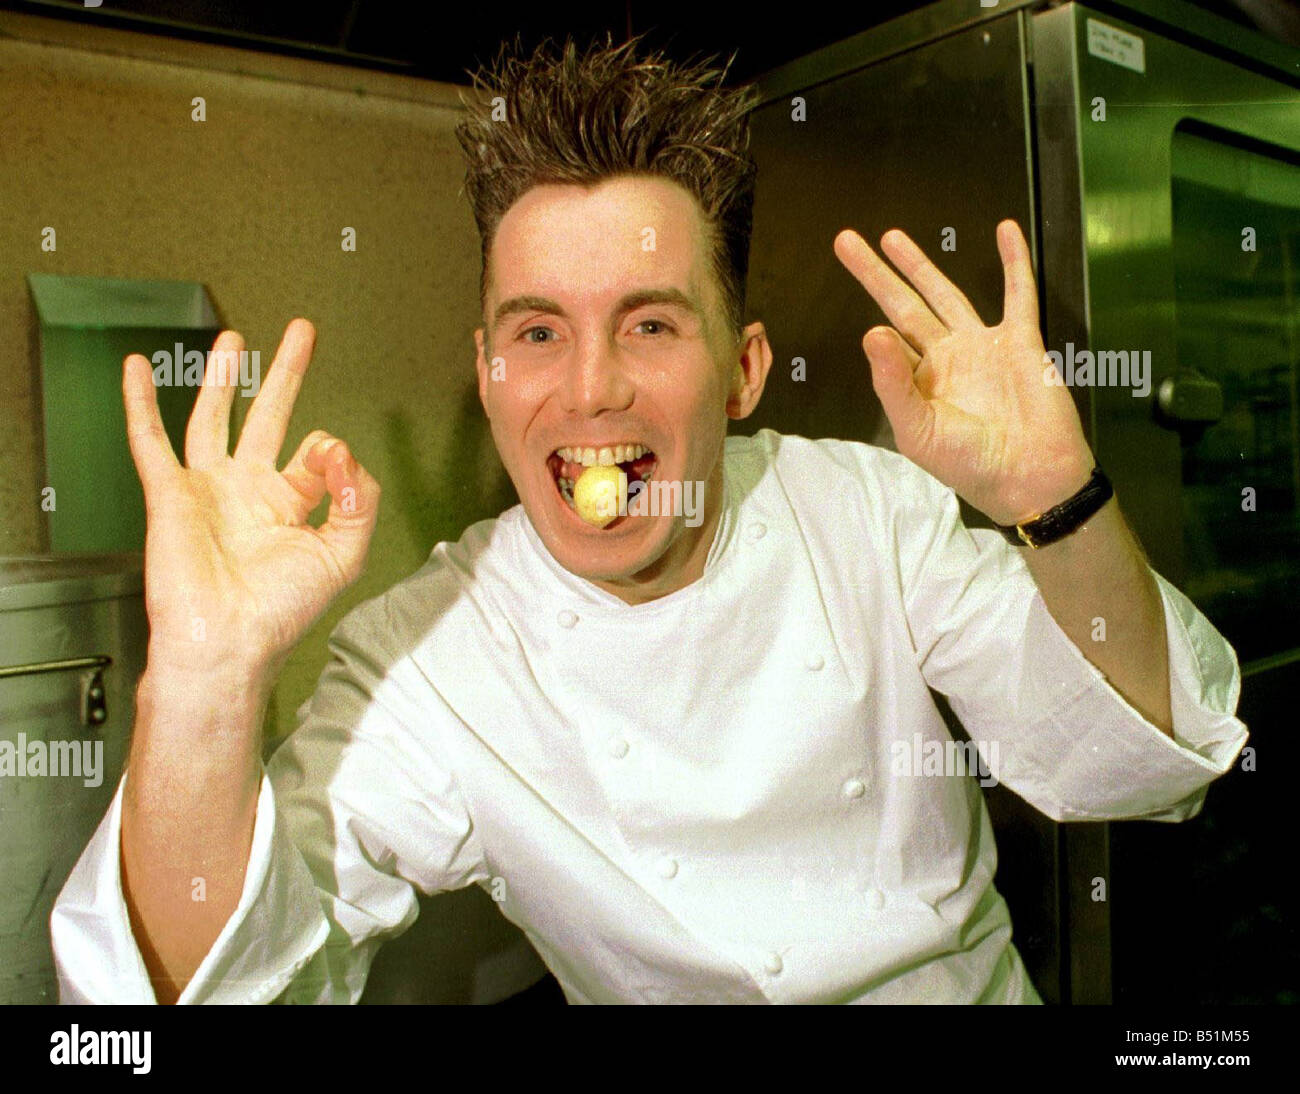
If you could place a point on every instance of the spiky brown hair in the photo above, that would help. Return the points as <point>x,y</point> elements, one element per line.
<point>609,112</point>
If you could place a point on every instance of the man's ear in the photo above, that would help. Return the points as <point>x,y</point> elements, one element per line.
<point>749,374</point>
<point>480,363</point>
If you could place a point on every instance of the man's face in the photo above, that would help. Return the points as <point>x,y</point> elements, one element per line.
<point>607,330</point>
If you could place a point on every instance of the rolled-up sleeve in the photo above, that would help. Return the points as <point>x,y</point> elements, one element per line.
<point>354,814</point>
<point>275,930</point>
<point>1049,724</point>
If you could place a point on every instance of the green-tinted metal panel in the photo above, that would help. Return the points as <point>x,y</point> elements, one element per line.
<point>1143,208</point>
<point>1236,214</point>
<point>1191,210</point>
<point>88,325</point>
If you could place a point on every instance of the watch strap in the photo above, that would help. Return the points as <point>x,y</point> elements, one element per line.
<point>1059,521</point>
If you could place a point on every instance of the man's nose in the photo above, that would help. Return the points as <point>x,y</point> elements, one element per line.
<point>596,379</point>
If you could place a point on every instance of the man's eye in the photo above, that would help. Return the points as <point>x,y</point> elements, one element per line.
<point>534,330</point>
<point>663,327</point>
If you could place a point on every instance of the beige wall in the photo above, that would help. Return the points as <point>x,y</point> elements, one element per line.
<point>96,140</point>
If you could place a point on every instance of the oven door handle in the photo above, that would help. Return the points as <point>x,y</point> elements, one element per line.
<point>94,698</point>
<point>1189,402</point>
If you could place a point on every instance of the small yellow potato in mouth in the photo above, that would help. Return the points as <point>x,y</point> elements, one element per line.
<point>600,494</point>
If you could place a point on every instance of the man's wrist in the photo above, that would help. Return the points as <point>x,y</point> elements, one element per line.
<point>1060,520</point>
<point>176,683</point>
<point>200,661</point>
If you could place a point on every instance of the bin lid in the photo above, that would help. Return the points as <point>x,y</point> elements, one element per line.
<point>35,581</point>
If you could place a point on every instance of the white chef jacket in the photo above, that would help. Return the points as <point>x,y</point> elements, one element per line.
<point>690,799</point>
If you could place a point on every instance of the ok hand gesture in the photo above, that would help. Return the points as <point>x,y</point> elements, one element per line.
<point>969,403</point>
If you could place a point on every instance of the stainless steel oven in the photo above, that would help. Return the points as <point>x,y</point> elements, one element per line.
<point>1151,151</point>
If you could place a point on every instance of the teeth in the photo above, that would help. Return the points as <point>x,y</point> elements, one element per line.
<point>602,457</point>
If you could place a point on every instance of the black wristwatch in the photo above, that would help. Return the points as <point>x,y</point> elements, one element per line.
<point>1059,521</point>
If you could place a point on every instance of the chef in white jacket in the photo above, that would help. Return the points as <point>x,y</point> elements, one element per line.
<point>691,749</point>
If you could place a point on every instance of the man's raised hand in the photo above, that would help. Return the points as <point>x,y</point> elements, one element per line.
<point>969,403</point>
<point>232,570</point>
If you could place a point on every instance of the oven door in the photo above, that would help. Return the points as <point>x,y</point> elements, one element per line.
<point>1170,185</point>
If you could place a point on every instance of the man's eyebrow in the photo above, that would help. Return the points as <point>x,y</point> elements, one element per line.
<point>518,304</point>
<point>633,300</point>
<point>671,297</point>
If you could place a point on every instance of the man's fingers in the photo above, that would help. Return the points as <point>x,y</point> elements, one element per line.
<point>893,364</point>
<point>207,437</point>
<point>1021,302</point>
<point>354,507</point>
<point>310,484</point>
<point>948,302</point>
<point>324,464</point>
<point>150,447</point>
<point>908,312</point>
<point>268,417</point>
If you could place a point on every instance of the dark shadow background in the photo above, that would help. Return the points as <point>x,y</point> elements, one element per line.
<point>441,41</point>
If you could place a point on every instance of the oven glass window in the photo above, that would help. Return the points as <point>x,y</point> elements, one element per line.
<point>1236,234</point>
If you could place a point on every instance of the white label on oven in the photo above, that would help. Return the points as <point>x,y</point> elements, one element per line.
<point>1116,46</point>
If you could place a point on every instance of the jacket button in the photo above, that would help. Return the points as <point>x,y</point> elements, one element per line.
<point>854,788</point>
<point>667,867</point>
<point>815,662</point>
<point>756,531</point>
<point>567,619</point>
<point>875,899</point>
<point>773,963</point>
<point>617,747</point>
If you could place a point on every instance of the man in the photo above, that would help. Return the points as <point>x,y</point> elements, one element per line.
<point>677,750</point>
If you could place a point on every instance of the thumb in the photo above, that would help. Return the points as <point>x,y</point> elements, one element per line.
<point>891,377</point>
<point>354,504</point>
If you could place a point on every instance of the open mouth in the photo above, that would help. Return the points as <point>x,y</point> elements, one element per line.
<point>566,464</point>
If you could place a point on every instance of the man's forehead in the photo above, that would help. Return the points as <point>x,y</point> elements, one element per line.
<point>626,235</point>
